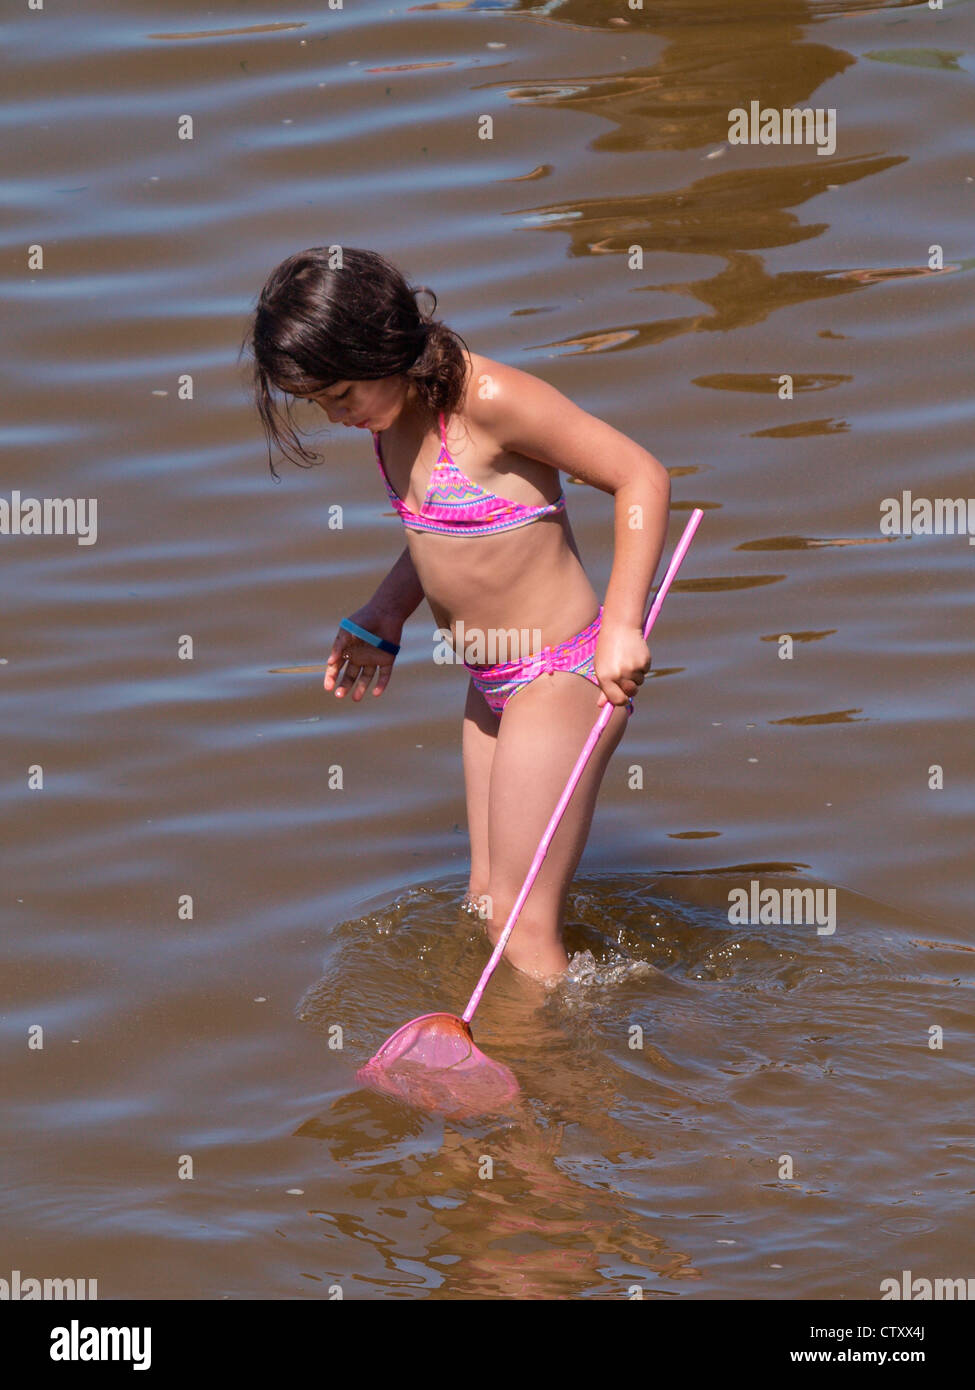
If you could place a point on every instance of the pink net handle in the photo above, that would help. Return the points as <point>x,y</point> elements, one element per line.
<point>605,714</point>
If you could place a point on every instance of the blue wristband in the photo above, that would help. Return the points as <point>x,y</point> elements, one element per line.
<point>349,626</point>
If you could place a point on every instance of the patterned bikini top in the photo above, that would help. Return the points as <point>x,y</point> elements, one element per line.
<point>456,506</point>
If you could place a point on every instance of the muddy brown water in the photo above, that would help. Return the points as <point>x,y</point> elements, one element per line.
<point>790,1127</point>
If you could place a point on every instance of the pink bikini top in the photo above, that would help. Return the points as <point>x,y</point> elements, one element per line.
<point>454,505</point>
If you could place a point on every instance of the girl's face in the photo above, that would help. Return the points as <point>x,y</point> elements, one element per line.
<point>367,404</point>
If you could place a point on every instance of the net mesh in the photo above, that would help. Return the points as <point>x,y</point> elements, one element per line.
<point>432,1063</point>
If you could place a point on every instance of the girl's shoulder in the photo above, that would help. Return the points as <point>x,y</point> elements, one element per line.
<point>503,404</point>
<point>478,373</point>
<point>485,375</point>
<point>493,387</point>
<point>482,373</point>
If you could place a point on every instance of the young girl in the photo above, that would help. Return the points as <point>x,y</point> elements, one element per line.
<point>469,452</point>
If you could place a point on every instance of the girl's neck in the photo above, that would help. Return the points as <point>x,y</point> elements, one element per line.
<point>414,421</point>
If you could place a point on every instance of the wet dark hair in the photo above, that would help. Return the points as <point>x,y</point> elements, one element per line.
<point>317,323</point>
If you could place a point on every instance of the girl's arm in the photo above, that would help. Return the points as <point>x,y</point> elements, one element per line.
<point>640,528</point>
<point>400,593</point>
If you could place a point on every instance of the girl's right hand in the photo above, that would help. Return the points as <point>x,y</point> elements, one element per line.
<point>362,662</point>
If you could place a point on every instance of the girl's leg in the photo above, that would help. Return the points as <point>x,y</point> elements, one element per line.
<point>479,740</point>
<point>541,734</point>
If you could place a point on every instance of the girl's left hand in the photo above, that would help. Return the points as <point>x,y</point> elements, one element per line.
<point>622,661</point>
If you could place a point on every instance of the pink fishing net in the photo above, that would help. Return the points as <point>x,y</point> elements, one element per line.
<point>432,1063</point>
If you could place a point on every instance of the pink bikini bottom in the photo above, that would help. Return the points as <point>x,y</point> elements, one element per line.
<point>498,683</point>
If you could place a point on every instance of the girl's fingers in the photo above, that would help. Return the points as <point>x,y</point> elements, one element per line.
<point>610,691</point>
<point>334,663</point>
<point>361,665</point>
<point>366,674</point>
<point>331,671</point>
<point>384,674</point>
<point>618,692</point>
<point>348,679</point>
<point>382,670</point>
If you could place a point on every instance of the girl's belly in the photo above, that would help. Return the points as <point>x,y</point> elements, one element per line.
<point>530,577</point>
